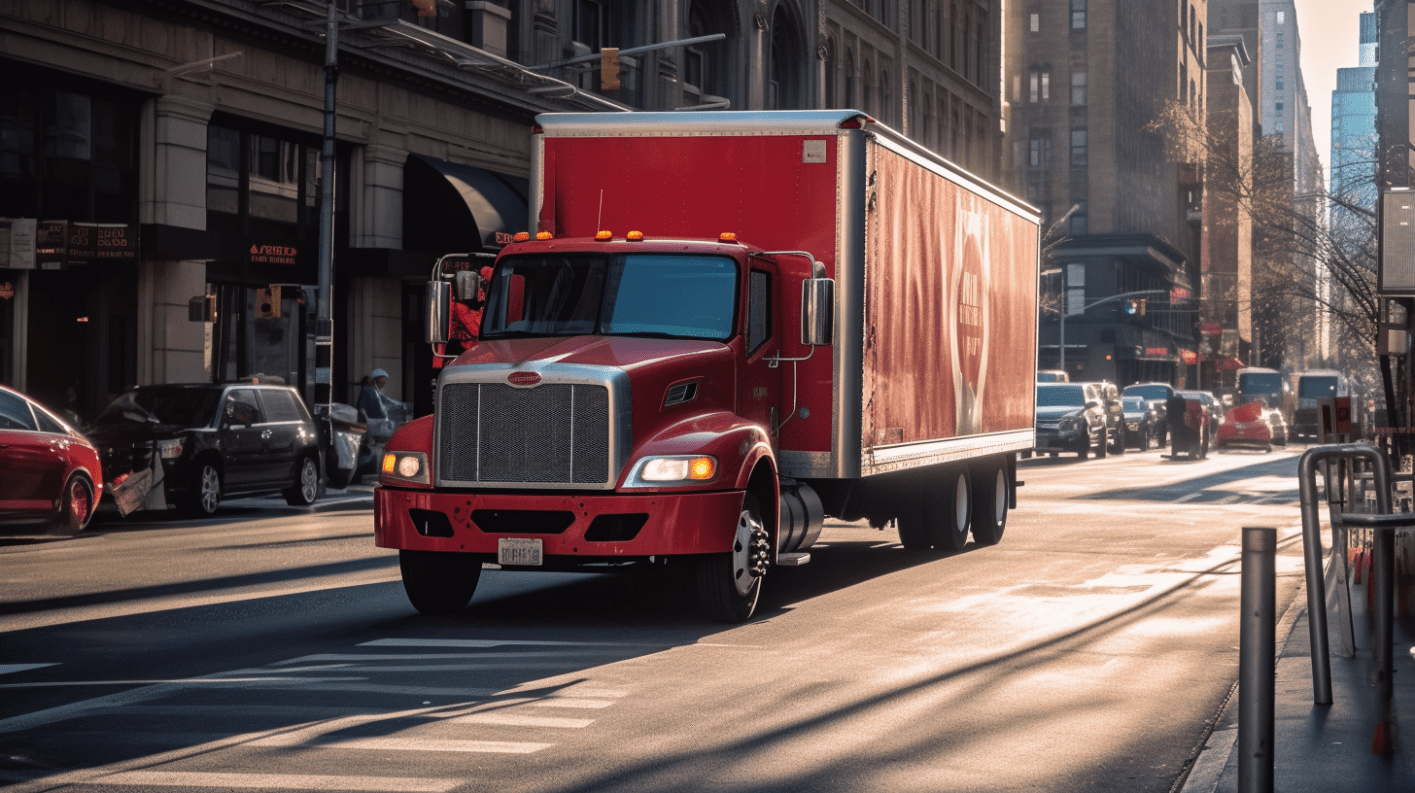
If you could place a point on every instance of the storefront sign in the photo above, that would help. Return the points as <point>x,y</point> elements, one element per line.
<point>17,243</point>
<point>99,243</point>
<point>1189,357</point>
<point>1211,329</point>
<point>51,244</point>
<point>7,290</point>
<point>273,254</point>
<point>1177,294</point>
<point>1157,351</point>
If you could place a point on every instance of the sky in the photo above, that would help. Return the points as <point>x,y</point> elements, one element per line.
<point>1331,40</point>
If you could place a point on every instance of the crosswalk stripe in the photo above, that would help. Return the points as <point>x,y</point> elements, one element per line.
<point>503,719</point>
<point>193,779</point>
<point>406,745</point>
<point>9,669</point>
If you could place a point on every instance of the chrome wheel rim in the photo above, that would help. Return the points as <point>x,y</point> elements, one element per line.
<point>210,488</point>
<point>742,577</point>
<point>309,480</point>
<point>80,503</point>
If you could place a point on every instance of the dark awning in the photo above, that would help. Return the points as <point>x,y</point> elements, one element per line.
<point>451,208</point>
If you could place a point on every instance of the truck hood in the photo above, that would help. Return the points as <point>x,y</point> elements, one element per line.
<point>625,352</point>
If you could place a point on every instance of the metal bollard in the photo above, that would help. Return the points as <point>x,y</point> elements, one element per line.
<point>1257,648</point>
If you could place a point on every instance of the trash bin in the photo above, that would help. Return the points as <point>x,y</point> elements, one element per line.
<point>341,435</point>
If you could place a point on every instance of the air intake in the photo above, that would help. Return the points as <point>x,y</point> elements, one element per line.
<point>680,393</point>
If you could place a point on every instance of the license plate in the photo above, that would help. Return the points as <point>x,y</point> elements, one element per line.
<point>519,551</point>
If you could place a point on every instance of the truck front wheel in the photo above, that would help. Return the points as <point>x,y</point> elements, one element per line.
<point>729,583</point>
<point>439,582</point>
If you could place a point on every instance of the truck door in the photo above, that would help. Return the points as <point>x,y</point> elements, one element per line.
<point>761,385</point>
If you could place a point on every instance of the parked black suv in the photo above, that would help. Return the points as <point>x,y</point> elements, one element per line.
<point>198,444</point>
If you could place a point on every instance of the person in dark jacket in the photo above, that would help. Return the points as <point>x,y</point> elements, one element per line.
<point>1181,437</point>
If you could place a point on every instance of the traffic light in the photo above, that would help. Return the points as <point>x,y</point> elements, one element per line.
<point>1140,309</point>
<point>1132,307</point>
<point>609,68</point>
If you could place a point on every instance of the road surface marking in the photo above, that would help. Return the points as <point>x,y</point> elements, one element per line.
<point>568,702</point>
<point>9,669</point>
<point>505,719</point>
<point>1188,497</point>
<point>187,681</point>
<point>491,643</point>
<point>306,659</point>
<point>407,745</point>
<point>567,663</point>
<point>194,779</point>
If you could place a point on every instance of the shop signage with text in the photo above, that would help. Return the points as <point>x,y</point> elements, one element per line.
<point>273,254</point>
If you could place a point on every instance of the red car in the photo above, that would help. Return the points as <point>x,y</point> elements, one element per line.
<point>49,473</point>
<point>1248,424</point>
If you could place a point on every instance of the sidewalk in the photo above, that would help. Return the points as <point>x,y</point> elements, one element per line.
<point>1325,748</point>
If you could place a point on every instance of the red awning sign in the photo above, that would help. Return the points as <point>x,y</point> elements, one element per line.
<point>1211,329</point>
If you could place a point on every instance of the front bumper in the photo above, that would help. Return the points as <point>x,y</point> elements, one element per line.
<point>1069,441</point>
<point>687,523</point>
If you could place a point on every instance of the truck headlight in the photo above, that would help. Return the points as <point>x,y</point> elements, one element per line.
<point>407,467</point>
<point>171,450</point>
<point>673,469</point>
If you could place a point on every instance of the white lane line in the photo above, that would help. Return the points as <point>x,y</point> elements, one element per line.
<point>195,779</point>
<point>566,664</point>
<point>350,657</point>
<point>580,704</point>
<point>407,745</point>
<point>491,643</point>
<point>1188,497</point>
<point>504,719</point>
<point>10,669</point>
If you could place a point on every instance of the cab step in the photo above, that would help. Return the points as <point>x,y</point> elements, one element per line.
<point>792,559</point>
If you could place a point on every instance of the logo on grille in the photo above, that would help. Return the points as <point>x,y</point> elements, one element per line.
<point>523,378</point>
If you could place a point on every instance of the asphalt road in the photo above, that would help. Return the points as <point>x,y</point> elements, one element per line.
<point>274,650</point>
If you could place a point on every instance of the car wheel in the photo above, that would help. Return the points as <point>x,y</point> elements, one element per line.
<point>438,582</point>
<point>306,488</point>
<point>730,582</point>
<point>75,508</point>
<point>1101,447</point>
<point>206,491</point>
<point>1120,440</point>
<point>989,504</point>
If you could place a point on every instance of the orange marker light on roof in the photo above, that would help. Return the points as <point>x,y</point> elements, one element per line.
<point>521,236</point>
<point>634,236</point>
<point>603,235</point>
<point>728,236</point>
<point>544,235</point>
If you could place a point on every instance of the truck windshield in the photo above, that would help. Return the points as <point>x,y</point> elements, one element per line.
<point>1316,387</point>
<point>648,294</point>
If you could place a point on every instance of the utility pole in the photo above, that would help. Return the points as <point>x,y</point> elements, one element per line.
<point>324,316</point>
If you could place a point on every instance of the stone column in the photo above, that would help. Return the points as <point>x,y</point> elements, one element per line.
<point>172,192</point>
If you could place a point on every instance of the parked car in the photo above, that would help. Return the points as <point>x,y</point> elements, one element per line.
<point>50,474</point>
<point>1156,394</point>
<point>1142,421</point>
<point>194,445</point>
<point>1069,419</point>
<point>1052,376</point>
<point>1109,397</point>
<point>1213,408</point>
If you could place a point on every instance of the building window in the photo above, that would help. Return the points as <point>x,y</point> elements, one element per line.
<point>868,94</point>
<point>1282,17</point>
<point>591,21</point>
<point>1038,149</point>
<point>850,79</point>
<point>1079,221</point>
<point>885,108</point>
<point>1046,86</point>
<point>1078,14</point>
<point>1036,22</point>
<point>1078,88</point>
<point>1078,147</point>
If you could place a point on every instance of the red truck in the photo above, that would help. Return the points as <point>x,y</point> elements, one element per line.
<point>725,327</point>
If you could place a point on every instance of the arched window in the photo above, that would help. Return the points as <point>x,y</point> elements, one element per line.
<point>850,79</point>
<point>787,81</point>
<point>704,67</point>
<point>828,53</point>
<point>886,110</point>
<point>867,92</point>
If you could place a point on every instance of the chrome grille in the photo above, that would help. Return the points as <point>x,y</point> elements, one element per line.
<point>550,434</point>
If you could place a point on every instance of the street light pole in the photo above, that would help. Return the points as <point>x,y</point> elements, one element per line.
<point>1085,308</point>
<point>324,321</point>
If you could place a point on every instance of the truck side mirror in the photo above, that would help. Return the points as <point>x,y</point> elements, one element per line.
<point>466,284</point>
<point>438,311</point>
<point>817,311</point>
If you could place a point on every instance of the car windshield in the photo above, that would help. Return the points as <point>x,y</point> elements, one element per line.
<point>1198,396</point>
<point>1134,403</point>
<point>188,407</point>
<point>661,295</point>
<point>1057,396</point>
<point>1148,391</point>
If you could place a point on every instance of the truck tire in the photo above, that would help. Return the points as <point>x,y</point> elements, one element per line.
<point>989,504</point>
<point>727,587</point>
<point>439,582</point>
<point>948,509</point>
<point>912,526</point>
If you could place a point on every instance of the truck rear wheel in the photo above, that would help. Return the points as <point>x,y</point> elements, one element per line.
<point>990,504</point>
<point>439,582</point>
<point>948,510</point>
<point>729,583</point>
